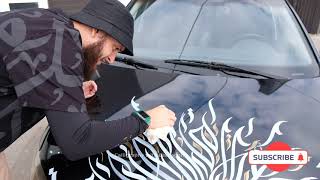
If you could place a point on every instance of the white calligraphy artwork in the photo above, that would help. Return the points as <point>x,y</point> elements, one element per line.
<point>53,174</point>
<point>209,151</point>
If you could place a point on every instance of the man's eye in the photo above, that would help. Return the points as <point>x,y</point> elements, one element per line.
<point>116,49</point>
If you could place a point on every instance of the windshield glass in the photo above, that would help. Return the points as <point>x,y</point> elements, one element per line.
<point>159,31</point>
<point>257,34</point>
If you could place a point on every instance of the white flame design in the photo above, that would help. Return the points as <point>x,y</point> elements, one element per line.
<point>206,158</point>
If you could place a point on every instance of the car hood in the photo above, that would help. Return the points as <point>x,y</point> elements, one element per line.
<point>308,87</point>
<point>242,114</point>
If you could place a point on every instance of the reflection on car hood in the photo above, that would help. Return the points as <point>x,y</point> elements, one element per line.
<point>308,87</point>
<point>245,114</point>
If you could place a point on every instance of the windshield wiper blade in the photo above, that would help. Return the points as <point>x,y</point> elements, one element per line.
<point>132,62</point>
<point>217,66</point>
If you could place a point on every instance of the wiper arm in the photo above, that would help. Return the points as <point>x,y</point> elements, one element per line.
<point>132,62</point>
<point>217,66</point>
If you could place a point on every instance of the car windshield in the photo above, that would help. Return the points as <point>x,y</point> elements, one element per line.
<point>258,34</point>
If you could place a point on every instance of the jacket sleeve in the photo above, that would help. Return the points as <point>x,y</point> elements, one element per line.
<point>80,137</point>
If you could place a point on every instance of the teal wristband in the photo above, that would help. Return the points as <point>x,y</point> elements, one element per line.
<point>143,116</point>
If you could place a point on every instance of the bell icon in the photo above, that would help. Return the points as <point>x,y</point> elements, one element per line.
<point>300,158</point>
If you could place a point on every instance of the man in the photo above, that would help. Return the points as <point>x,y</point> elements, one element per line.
<point>45,57</point>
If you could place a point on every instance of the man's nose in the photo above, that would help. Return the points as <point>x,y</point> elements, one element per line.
<point>112,58</point>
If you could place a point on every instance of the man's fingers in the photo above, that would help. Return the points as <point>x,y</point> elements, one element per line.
<point>95,86</point>
<point>171,120</point>
<point>173,117</point>
<point>89,88</point>
<point>171,123</point>
<point>172,113</point>
<point>162,106</point>
<point>161,116</point>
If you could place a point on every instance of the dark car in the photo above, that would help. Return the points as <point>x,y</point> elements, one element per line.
<point>242,76</point>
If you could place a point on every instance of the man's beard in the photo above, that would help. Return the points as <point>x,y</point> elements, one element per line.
<point>92,54</point>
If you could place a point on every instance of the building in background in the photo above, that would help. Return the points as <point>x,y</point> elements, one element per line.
<point>8,5</point>
<point>309,12</point>
<point>68,6</point>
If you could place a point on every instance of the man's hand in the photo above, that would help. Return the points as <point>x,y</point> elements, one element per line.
<point>161,117</point>
<point>89,88</point>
